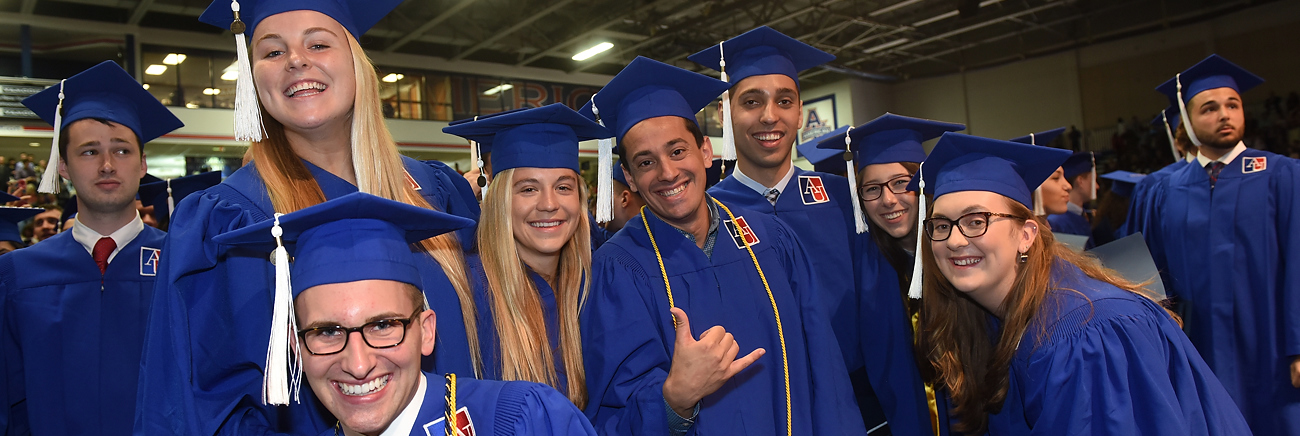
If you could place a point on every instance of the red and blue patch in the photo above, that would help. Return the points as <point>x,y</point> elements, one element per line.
<point>812,190</point>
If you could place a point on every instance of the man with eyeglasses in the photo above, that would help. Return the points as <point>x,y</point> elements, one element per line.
<point>363,325</point>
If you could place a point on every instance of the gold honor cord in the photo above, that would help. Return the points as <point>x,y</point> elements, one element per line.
<point>450,428</point>
<point>930,398</point>
<point>780,331</point>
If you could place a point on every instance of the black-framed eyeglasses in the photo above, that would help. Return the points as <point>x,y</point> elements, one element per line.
<point>873,191</point>
<point>384,333</point>
<point>971,225</point>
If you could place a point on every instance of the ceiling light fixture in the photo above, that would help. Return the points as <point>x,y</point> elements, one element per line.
<point>887,45</point>
<point>174,59</point>
<point>211,91</point>
<point>588,53</point>
<point>392,78</point>
<point>498,89</point>
<point>155,69</point>
<point>146,86</point>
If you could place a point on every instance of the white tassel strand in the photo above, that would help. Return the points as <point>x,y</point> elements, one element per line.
<point>728,136</point>
<point>604,172</point>
<point>1182,112</point>
<point>914,288</point>
<point>859,221</point>
<point>1169,131</point>
<point>283,374</point>
<point>171,202</point>
<point>50,179</point>
<point>248,116</point>
<point>1092,193</point>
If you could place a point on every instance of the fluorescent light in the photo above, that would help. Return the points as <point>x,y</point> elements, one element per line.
<point>192,105</point>
<point>890,44</point>
<point>155,69</point>
<point>947,15</point>
<point>230,76</point>
<point>499,88</point>
<point>174,59</point>
<point>211,91</point>
<point>146,86</point>
<point>588,53</point>
<point>392,77</point>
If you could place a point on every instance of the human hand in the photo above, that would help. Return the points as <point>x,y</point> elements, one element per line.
<point>701,366</point>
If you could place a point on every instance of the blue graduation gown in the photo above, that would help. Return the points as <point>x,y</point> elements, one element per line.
<point>207,335</point>
<point>888,344</point>
<point>628,336</point>
<point>497,408</point>
<point>72,336</point>
<point>1111,362</point>
<point>1230,253</point>
<point>1145,195</point>
<point>825,225</point>
<point>1071,223</point>
<point>490,345</point>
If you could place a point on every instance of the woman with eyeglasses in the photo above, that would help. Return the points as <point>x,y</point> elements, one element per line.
<point>1030,337</point>
<point>887,152</point>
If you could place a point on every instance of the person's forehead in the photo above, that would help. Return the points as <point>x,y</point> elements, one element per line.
<point>769,83</point>
<point>354,301</point>
<point>86,129</point>
<point>1216,94</point>
<point>655,132</point>
<point>52,213</point>
<point>293,23</point>
<point>953,204</point>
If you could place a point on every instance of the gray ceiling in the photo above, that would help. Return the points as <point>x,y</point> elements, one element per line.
<point>880,39</point>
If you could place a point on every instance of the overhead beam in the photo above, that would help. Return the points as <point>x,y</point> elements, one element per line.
<point>29,6</point>
<point>512,29</point>
<point>671,30</point>
<point>426,27</point>
<point>140,9</point>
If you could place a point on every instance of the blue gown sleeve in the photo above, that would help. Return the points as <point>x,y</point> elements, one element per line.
<point>205,340</point>
<point>537,409</point>
<point>1288,209</point>
<point>626,358</point>
<point>455,197</point>
<point>1111,370</point>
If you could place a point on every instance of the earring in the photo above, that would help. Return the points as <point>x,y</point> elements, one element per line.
<point>1024,257</point>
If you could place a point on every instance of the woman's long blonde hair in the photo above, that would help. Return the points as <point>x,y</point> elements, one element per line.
<point>955,330</point>
<point>525,348</point>
<point>379,171</point>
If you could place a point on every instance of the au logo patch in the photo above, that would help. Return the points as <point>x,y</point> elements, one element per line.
<point>410,181</point>
<point>149,258</point>
<point>1254,164</point>
<point>464,425</point>
<point>813,190</point>
<point>741,233</point>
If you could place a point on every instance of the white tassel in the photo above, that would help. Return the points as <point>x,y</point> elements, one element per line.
<point>248,116</point>
<point>1169,131</point>
<point>604,173</point>
<point>1038,203</point>
<point>1182,111</point>
<point>280,379</point>
<point>859,222</point>
<point>914,289</point>
<point>171,202</point>
<point>50,179</point>
<point>728,136</point>
<point>1092,194</point>
<point>473,155</point>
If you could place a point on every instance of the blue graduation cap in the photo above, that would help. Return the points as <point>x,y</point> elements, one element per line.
<point>970,163</point>
<point>241,17</point>
<point>106,92</point>
<point>1078,163</point>
<point>350,238</point>
<point>962,163</point>
<point>9,219</point>
<point>544,137</point>
<point>147,179</point>
<point>645,89</point>
<point>483,147</point>
<point>829,159</point>
<point>164,194</point>
<point>5,198</point>
<point>69,210</point>
<point>1044,138</point>
<point>760,52</point>
<point>893,138</point>
<point>1123,182</point>
<point>619,177</point>
<point>1213,72</point>
<point>357,16</point>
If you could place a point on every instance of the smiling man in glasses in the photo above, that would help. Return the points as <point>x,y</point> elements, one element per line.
<point>363,325</point>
